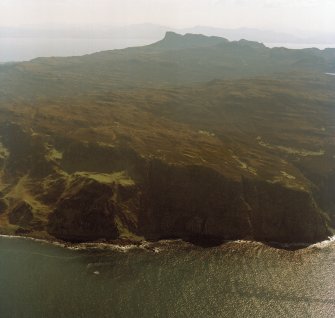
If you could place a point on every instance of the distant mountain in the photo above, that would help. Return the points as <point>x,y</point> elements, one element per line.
<point>174,60</point>
<point>245,33</point>
<point>54,40</point>
<point>174,41</point>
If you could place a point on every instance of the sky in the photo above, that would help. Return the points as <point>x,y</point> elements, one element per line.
<point>279,15</point>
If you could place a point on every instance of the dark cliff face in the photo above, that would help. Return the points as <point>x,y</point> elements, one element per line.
<point>151,200</point>
<point>198,202</point>
<point>85,212</point>
<point>21,214</point>
<point>192,201</point>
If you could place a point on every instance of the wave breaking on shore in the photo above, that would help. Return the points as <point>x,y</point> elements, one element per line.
<point>164,245</point>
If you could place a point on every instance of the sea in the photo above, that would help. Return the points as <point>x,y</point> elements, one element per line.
<point>166,279</point>
<point>24,48</point>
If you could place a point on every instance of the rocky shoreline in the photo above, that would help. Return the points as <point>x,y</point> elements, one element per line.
<point>164,245</point>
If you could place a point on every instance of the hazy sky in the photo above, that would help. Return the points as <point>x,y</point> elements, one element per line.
<point>287,15</point>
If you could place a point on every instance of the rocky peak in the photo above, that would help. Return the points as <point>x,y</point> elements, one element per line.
<point>174,41</point>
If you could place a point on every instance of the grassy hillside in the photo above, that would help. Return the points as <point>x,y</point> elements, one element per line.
<point>190,137</point>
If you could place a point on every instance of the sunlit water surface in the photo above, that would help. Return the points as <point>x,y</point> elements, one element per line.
<point>174,280</point>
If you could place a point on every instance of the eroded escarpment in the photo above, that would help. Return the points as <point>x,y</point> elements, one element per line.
<point>198,202</point>
<point>77,191</point>
<point>85,211</point>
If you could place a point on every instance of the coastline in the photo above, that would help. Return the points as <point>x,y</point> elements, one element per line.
<point>161,245</point>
